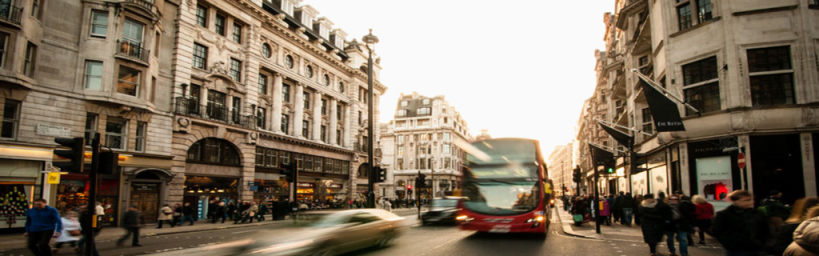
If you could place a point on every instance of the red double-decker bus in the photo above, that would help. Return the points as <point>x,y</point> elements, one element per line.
<point>506,188</point>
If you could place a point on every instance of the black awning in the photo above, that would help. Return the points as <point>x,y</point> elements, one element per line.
<point>665,113</point>
<point>621,137</point>
<point>601,156</point>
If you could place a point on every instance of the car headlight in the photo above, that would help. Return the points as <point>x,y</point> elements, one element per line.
<point>283,247</point>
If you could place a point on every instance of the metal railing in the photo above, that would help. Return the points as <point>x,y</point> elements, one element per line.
<point>213,112</point>
<point>130,49</point>
<point>11,14</point>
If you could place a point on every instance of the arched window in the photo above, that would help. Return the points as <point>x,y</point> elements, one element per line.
<point>362,171</point>
<point>214,151</point>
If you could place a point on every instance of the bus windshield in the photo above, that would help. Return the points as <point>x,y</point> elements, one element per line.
<point>498,197</point>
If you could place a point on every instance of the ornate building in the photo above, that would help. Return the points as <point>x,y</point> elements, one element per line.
<point>258,84</point>
<point>748,69</point>
<point>424,138</point>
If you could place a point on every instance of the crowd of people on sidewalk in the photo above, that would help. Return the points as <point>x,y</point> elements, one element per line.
<point>771,228</point>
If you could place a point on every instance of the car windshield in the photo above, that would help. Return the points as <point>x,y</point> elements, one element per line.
<point>330,220</point>
<point>499,197</point>
<point>444,203</point>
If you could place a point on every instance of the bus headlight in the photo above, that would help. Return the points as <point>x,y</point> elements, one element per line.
<point>464,218</point>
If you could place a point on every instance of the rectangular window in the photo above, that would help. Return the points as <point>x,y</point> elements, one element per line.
<point>236,69</point>
<point>200,56</point>
<point>157,37</point>
<point>317,164</point>
<point>400,139</point>
<point>260,156</point>
<point>323,107</point>
<point>99,23</point>
<point>285,124</point>
<point>305,128</point>
<point>90,127</point>
<point>261,118</point>
<point>771,76</point>
<point>306,97</point>
<point>402,112</point>
<point>704,12</point>
<point>446,149</point>
<point>220,24</point>
<point>324,133</point>
<point>338,137</point>
<point>202,16</point>
<point>339,110</point>
<point>35,9</point>
<point>217,105</point>
<point>701,85</point>
<point>648,127</point>
<point>3,42</point>
<point>262,84</point>
<point>132,32</point>
<point>142,127</point>
<point>285,93</point>
<point>684,15</point>
<point>423,111</point>
<point>11,119</point>
<point>115,129</point>
<point>152,97</point>
<point>237,32</point>
<point>93,75</point>
<point>360,117</point>
<point>446,136</point>
<point>271,158</point>
<point>196,97</point>
<point>236,111</point>
<point>128,81</point>
<point>28,62</point>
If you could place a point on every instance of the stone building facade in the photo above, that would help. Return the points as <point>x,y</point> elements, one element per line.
<point>258,84</point>
<point>424,137</point>
<point>748,67</point>
<point>560,169</point>
<point>76,68</point>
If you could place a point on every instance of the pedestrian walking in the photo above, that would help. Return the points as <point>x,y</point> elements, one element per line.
<point>703,214</point>
<point>679,223</point>
<point>85,224</point>
<point>165,215</point>
<point>131,221</point>
<point>221,212</point>
<point>638,200</point>
<point>187,213</point>
<point>806,236</point>
<point>617,208</point>
<point>741,229</point>
<point>250,213</point>
<point>627,206</point>
<point>653,220</point>
<point>70,233</point>
<point>42,223</point>
<point>177,214</point>
<point>799,213</point>
<point>605,212</point>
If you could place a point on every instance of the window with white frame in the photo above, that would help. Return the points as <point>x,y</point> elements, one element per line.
<point>141,130</point>
<point>771,76</point>
<point>305,128</point>
<point>285,123</point>
<point>90,127</point>
<point>402,112</point>
<point>693,12</point>
<point>426,102</point>
<point>400,139</point>
<point>261,118</point>
<point>128,80</point>
<point>237,32</point>
<point>11,119</point>
<point>446,149</point>
<point>99,23</point>
<point>648,126</point>
<point>220,24</point>
<point>202,16</point>
<point>236,69</point>
<point>423,111</point>
<point>262,84</point>
<point>93,75</point>
<point>28,61</point>
<point>404,103</point>
<point>446,136</point>
<point>115,133</point>
<point>701,85</point>
<point>200,56</point>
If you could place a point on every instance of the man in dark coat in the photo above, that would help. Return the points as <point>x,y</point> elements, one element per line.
<point>652,221</point>
<point>627,206</point>
<point>188,212</point>
<point>740,228</point>
<point>679,223</point>
<point>131,222</point>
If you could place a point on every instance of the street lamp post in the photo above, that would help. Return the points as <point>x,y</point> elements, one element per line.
<point>370,40</point>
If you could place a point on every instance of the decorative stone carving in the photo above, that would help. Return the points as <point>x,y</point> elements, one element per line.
<point>182,124</point>
<point>219,68</point>
<point>252,137</point>
<point>810,116</point>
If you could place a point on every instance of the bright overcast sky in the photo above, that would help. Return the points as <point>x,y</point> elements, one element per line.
<point>518,68</point>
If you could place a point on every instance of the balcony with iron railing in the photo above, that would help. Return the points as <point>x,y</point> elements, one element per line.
<point>11,14</point>
<point>213,112</point>
<point>132,50</point>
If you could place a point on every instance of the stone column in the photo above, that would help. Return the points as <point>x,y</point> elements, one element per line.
<point>298,105</point>
<point>317,117</point>
<point>345,140</point>
<point>333,120</point>
<point>276,111</point>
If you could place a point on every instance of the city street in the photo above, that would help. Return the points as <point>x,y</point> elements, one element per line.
<point>418,240</point>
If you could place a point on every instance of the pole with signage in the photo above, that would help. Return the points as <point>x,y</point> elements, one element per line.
<point>741,164</point>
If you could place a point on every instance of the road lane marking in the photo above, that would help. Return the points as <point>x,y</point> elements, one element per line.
<point>244,231</point>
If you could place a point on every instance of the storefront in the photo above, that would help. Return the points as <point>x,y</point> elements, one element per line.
<point>305,191</point>
<point>267,187</point>
<point>713,170</point>
<point>199,190</point>
<point>20,183</point>
<point>72,194</point>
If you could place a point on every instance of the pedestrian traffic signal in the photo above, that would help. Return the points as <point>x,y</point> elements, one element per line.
<point>380,174</point>
<point>420,181</point>
<point>74,154</point>
<point>609,170</point>
<point>577,176</point>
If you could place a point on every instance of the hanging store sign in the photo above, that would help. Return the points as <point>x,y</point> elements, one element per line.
<point>53,178</point>
<point>665,113</point>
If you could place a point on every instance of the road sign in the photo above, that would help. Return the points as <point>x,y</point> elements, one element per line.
<point>741,160</point>
<point>53,178</point>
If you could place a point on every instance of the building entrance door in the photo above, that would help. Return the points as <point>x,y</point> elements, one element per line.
<point>146,197</point>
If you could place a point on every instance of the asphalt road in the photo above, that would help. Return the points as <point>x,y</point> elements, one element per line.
<point>417,241</point>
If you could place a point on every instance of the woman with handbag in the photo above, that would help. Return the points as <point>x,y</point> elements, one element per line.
<point>71,232</point>
<point>165,215</point>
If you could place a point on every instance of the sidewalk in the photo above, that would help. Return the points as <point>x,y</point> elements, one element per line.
<point>613,232</point>
<point>17,241</point>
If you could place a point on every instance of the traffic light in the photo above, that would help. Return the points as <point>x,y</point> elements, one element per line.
<point>290,171</point>
<point>380,174</point>
<point>75,154</point>
<point>109,162</point>
<point>420,182</point>
<point>577,176</point>
<point>610,170</point>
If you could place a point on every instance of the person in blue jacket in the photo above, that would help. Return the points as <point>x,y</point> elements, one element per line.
<point>42,223</point>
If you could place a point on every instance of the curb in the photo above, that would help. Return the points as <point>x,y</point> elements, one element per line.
<point>566,226</point>
<point>215,228</point>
